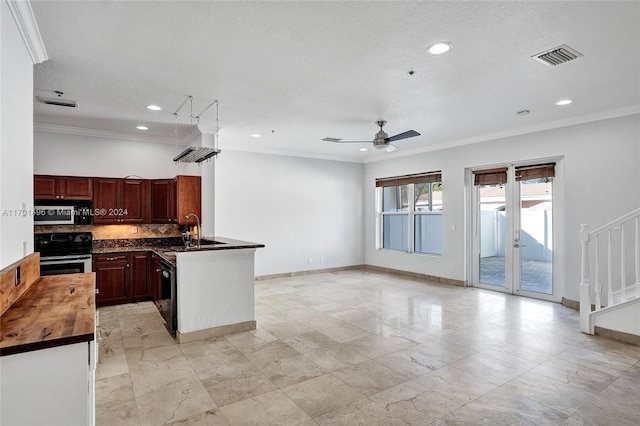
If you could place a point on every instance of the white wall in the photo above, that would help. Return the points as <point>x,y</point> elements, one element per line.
<point>299,208</point>
<point>16,141</point>
<point>609,148</point>
<point>74,155</point>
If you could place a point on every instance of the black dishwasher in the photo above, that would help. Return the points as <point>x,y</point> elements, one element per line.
<point>169,297</point>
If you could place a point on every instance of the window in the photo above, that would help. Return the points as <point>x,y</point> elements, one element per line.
<point>410,213</point>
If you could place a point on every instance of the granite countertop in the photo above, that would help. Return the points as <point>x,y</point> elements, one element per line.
<point>57,310</point>
<point>167,248</point>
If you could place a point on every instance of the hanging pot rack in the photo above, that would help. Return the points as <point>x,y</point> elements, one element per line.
<point>195,154</point>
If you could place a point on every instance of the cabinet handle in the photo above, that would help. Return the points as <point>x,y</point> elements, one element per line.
<point>62,196</point>
<point>158,270</point>
<point>97,291</point>
<point>127,265</point>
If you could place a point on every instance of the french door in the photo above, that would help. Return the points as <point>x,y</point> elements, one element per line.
<point>513,229</point>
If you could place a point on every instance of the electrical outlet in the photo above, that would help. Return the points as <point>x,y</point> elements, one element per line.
<point>134,229</point>
<point>453,268</point>
<point>321,259</point>
<point>310,260</point>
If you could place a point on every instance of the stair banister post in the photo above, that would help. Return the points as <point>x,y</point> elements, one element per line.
<point>597,288</point>
<point>637,249</point>
<point>585,301</point>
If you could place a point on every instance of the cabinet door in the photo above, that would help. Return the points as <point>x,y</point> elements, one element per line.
<point>134,200</point>
<point>162,200</point>
<point>112,280</point>
<point>188,197</point>
<point>105,200</point>
<point>45,187</point>
<point>76,188</point>
<point>139,275</point>
<point>155,278</point>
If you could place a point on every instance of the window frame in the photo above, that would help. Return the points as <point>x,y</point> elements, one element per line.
<point>411,213</point>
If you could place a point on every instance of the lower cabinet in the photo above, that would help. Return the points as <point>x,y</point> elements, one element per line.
<point>155,279</point>
<point>139,262</point>
<point>121,278</point>
<point>54,386</point>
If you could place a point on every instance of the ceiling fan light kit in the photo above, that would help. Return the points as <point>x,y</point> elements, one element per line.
<point>381,139</point>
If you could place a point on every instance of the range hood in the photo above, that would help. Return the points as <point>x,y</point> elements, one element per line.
<point>202,151</point>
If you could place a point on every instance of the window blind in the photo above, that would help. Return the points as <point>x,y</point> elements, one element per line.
<point>538,171</point>
<point>409,179</point>
<point>490,176</point>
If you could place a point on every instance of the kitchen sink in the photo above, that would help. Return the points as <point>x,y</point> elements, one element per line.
<point>207,242</point>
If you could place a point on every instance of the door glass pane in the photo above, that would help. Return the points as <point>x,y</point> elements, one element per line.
<point>492,234</point>
<point>536,235</point>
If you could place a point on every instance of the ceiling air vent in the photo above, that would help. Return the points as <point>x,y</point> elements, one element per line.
<point>58,102</point>
<point>557,55</point>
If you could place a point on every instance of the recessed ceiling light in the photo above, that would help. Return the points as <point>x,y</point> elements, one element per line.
<point>363,149</point>
<point>440,48</point>
<point>256,135</point>
<point>564,102</point>
<point>142,128</point>
<point>154,107</point>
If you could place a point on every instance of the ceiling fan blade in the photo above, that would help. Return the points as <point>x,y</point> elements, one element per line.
<point>336,140</point>
<point>404,135</point>
<point>391,148</point>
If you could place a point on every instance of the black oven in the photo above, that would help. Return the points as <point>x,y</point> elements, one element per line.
<point>64,252</point>
<point>56,265</point>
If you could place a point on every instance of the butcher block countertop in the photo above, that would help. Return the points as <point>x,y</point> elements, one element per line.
<point>56,310</point>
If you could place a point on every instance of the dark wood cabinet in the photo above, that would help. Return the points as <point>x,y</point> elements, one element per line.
<point>122,278</point>
<point>121,201</point>
<point>139,262</point>
<point>62,188</point>
<point>163,201</point>
<point>188,197</point>
<point>155,278</point>
<point>173,199</point>
<point>112,278</point>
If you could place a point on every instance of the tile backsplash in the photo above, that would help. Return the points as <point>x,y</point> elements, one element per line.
<point>114,232</point>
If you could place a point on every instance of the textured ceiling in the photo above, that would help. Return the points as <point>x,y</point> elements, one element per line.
<point>307,70</point>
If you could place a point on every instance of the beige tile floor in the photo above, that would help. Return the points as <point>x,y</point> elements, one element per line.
<point>360,348</point>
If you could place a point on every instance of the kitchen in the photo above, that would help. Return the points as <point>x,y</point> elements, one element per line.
<point>310,202</point>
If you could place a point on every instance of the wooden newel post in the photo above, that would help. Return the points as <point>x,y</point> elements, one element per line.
<point>585,300</point>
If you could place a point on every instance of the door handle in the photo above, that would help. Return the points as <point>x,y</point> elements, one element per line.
<point>517,245</point>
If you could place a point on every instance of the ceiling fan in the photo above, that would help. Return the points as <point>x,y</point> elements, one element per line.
<point>381,140</point>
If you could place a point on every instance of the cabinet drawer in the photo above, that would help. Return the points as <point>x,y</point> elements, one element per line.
<point>110,257</point>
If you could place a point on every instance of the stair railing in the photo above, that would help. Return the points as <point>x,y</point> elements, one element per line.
<point>615,294</point>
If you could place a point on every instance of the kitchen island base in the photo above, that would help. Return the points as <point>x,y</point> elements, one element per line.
<point>215,293</point>
<point>215,332</point>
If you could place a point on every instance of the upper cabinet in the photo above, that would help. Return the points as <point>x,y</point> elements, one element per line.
<point>62,188</point>
<point>173,199</point>
<point>121,201</point>
<point>188,198</point>
<point>163,201</point>
<point>124,200</point>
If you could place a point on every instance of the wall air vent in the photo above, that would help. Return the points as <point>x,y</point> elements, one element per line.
<point>557,55</point>
<point>58,102</point>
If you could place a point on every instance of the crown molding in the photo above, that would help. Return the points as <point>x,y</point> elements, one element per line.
<point>28,28</point>
<point>80,131</point>
<point>521,131</point>
<point>298,154</point>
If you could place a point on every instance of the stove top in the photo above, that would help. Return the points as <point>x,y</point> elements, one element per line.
<point>63,243</point>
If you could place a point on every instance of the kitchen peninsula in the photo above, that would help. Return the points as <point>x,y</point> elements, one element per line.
<point>203,291</point>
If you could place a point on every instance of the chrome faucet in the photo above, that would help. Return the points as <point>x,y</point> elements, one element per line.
<point>187,234</point>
